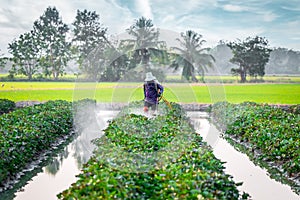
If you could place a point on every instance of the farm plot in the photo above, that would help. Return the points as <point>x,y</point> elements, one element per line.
<point>176,92</point>
<point>27,132</point>
<point>267,134</point>
<point>152,158</point>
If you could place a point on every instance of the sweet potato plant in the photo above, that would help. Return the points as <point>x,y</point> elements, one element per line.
<point>269,134</point>
<point>6,106</point>
<point>152,158</point>
<point>27,132</point>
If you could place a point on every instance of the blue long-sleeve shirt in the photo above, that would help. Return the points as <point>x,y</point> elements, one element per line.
<point>151,91</point>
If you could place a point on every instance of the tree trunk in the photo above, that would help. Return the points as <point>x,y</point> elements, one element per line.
<point>243,76</point>
<point>28,71</point>
<point>55,74</point>
<point>145,56</point>
<point>194,79</point>
<point>202,75</point>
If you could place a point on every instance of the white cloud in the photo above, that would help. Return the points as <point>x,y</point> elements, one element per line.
<point>294,24</point>
<point>269,16</point>
<point>234,8</point>
<point>3,15</point>
<point>295,7</point>
<point>215,34</point>
<point>246,32</point>
<point>144,8</point>
<point>205,17</point>
<point>168,18</point>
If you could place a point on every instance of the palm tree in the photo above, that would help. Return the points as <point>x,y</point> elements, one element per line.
<point>144,43</point>
<point>191,56</point>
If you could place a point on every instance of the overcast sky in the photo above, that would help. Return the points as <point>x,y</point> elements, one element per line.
<point>277,20</point>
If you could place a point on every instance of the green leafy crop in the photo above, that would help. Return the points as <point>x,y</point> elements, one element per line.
<point>152,158</point>
<point>25,133</point>
<point>267,133</point>
<point>6,106</point>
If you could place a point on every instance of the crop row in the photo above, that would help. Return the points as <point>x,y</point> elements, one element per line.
<point>268,134</point>
<point>6,106</point>
<point>27,132</point>
<point>152,158</point>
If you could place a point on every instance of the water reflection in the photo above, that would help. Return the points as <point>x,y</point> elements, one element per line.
<point>56,162</point>
<point>61,172</point>
<point>83,147</point>
<point>255,180</point>
<point>91,125</point>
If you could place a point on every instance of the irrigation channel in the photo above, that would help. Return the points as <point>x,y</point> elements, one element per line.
<point>61,172</point>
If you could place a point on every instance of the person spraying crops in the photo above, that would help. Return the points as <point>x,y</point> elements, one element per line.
<point>153,90</point>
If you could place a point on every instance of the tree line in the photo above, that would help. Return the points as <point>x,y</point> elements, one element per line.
<point>51,45</point>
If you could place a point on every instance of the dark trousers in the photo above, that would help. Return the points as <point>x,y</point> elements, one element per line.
<point>150,105</point>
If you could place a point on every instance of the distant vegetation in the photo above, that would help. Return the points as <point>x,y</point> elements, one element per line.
<point>44,52</point>
<point>282,61</point>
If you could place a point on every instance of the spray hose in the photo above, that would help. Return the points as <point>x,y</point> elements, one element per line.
<point>166,101</point>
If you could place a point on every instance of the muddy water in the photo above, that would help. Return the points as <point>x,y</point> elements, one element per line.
<point>255,180</point>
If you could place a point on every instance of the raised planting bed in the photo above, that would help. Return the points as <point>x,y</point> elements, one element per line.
<point>269,135</point>
<point>26,133</point>
<point>160,157</point>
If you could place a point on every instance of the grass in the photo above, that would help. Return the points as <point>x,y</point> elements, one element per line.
<point>177,92</point>
<point>264,93</point>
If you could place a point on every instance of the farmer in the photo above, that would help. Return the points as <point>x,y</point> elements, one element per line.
<point>152,91</point>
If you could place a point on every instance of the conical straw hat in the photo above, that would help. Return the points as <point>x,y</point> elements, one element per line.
<point>150,77</point>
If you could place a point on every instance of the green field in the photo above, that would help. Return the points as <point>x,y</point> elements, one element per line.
<point>177,92</point>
